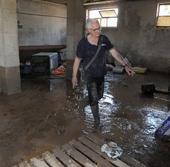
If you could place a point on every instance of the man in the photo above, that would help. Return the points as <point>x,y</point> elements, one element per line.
<point>95,70</point>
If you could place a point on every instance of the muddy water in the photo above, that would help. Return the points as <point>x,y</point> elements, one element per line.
<point>36,120</point>
<point>130,119</point>
<point>49,113</point>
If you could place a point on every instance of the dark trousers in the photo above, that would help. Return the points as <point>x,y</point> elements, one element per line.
<point>95,87</point>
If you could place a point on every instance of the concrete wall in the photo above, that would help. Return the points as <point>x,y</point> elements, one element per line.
<point>41,22</point>
<point>75,28</point>
<point>1,40</point>
<point>75,25</point>
<point>138,38</point>
<point>9,58</point>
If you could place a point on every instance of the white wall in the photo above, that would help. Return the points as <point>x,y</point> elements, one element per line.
<point>8,34</point>
<point>9,56</point>
<point>43,23</point>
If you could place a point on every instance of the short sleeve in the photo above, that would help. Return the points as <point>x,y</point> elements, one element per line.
<point>80,49</point>
<point>109,45</point>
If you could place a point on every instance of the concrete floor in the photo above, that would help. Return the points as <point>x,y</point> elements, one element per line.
<point>50,113</point>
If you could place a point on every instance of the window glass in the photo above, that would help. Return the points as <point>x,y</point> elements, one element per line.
<point>108,17</point>
<point>163,15</point>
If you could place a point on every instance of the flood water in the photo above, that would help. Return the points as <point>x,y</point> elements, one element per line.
<point>129,118</point>
<point>49,112</point>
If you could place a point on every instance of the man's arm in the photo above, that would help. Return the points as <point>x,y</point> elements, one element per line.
<point>75,70</point>
<point>120,59</point>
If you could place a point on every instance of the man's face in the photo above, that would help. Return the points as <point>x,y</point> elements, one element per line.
<point>95,29</point>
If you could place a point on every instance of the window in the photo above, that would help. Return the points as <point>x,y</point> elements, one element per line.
<point>163,15</point>
<point>108,17</point>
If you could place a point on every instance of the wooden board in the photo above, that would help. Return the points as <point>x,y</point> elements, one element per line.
<point>96,148</point>
<point>78,156</point>
<point>66,159</point>
<point>83,152</point>
<point>51,160</point>
<point>100,161</point>
<point>131,161</point>
<point>24,164</point>
<point>125,158</point>
<point>37,162</point>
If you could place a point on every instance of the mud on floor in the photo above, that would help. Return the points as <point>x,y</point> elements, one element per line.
<point>46,114</point>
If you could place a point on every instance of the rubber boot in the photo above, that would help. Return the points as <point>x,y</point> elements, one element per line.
<point>95,112</point>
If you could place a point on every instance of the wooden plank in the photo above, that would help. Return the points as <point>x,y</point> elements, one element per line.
<point>131,161</point>
<point>68,161</point>
<point>35,162</point>
<point>78,156</point>
<point>24,164</point>
<point>91,154</point>
<point>97,149</point>
<point>95,139</point>
<point>51,160</point>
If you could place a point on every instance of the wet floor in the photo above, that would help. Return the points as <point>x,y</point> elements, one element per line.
<point>131,119</point>
<point>49,113</point>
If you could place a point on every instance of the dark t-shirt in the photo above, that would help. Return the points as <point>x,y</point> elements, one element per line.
<point>86,51</point>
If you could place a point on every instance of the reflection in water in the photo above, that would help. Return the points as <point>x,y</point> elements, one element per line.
<point>55,83</point>
<point>153,118</point>
<point>130,119</point>
<point>107,106</point>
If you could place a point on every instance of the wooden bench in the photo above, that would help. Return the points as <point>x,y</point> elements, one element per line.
<point>83,152</point>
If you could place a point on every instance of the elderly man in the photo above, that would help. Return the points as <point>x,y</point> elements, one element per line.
<point>91,51</point>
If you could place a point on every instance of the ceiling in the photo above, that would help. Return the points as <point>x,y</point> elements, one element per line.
<point>58,1</point>
<point>85,1</point>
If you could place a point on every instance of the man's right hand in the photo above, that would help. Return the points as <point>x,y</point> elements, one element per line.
<point>74,82</point>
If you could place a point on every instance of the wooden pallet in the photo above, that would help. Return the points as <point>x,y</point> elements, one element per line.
<point>83,152</point>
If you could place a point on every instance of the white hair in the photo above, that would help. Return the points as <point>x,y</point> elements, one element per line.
<point>89,22</point>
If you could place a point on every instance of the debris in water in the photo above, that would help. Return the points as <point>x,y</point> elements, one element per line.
<point>112,150</point>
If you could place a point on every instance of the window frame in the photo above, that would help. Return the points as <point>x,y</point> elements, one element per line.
<point>157,15</point>
<point>109,7</point>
